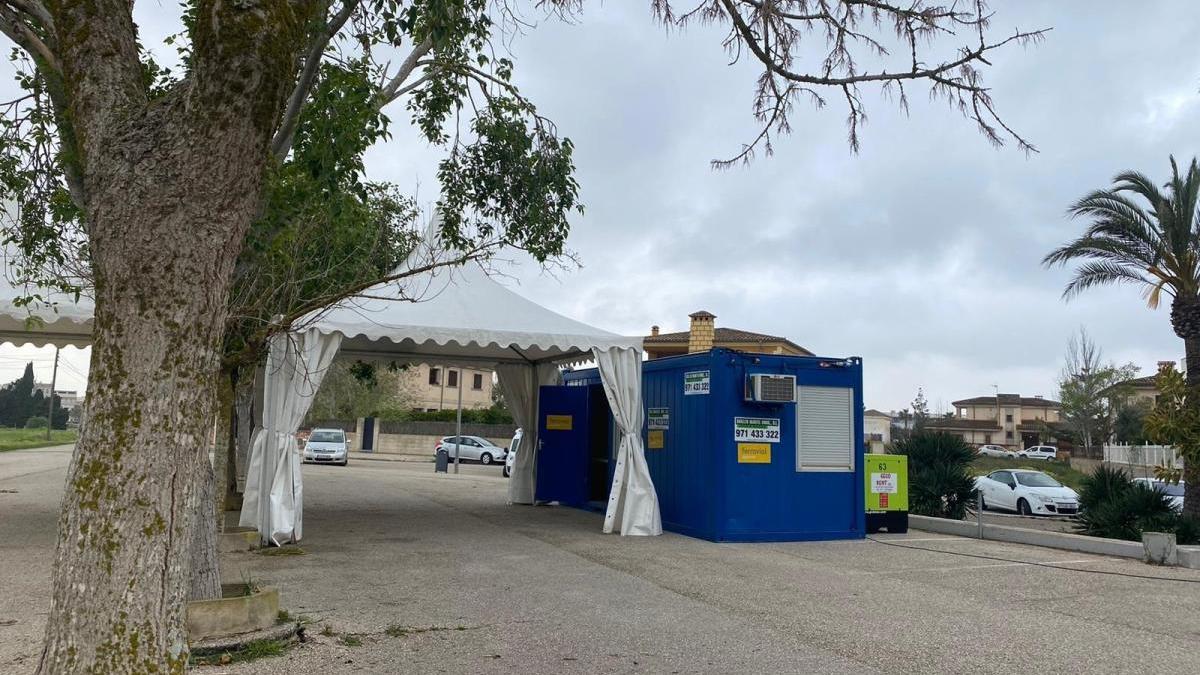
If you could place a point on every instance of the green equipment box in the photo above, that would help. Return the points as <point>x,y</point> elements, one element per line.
<point>887,493</point>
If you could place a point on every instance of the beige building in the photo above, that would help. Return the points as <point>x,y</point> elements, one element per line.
<point>703,335</point>
<point>1010,420</point>
<point>877,429</point>
<point>435,388</point>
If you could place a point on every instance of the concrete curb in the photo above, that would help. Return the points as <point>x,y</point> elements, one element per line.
<point>1019,535</point>
<point>1189,557</point>
<point>384,457</point>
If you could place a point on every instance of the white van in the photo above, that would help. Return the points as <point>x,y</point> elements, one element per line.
<point>1039,452</point>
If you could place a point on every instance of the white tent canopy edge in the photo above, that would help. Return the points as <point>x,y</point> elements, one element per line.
<point>460,316</point>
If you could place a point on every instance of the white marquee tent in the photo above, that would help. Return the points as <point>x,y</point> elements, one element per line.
<point>67,324</point>
<point>464,317</point>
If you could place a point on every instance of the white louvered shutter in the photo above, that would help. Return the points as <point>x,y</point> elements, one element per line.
<point>824,429</point>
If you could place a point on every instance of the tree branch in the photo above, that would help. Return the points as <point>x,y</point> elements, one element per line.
<point>98,53</point>
<point>391,91</point>
<point>20,33</point>
<point>36,10</point>
<point>281,144</point>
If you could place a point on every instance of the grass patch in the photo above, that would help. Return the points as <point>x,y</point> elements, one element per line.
<point>283,616</point>
<point>282,550</point>
<point>351,640</point>
<point>251,651</point>
<point>327,631</point>
<point>24,439</point>
<point>1061,471</point>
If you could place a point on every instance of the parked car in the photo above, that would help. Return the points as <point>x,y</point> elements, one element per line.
<point>1039,452</point>
<point>473,449</point>
<point>995,451</point>
<point>1027,492</point>
<point>513,446</point>
<point>1172,490</point>
<point>327,446</point>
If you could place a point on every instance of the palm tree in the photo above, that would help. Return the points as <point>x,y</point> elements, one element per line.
<point>1149,237</point>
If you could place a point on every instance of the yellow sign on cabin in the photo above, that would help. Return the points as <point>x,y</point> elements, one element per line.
<point>655,439</point>
<point>559,422</point>
<point>754,453</point>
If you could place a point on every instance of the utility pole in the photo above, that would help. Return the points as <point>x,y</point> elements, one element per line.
<point>50,398</point>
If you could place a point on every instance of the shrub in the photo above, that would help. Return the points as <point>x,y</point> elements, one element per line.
<point>36,422</point>
<point>939,479</point>
<point>1113,506</point>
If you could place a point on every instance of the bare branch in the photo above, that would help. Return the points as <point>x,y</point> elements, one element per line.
<point>776,33</point>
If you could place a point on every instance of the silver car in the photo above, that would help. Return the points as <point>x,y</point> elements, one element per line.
<point>327,446</point>
<point>472,449</point>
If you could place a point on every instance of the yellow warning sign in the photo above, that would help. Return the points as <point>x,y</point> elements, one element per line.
<point>559,422</point>
<point>754,453</point>
<point>655,439</point>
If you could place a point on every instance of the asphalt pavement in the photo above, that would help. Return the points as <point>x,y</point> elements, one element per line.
<point>414,572</point>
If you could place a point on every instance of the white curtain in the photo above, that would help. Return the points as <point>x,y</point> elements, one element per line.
<point>632,501</point>
<point>273,502</point>
<point>520,383</point>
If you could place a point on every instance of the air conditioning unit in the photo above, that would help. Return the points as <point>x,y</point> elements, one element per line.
<point>771,388</point>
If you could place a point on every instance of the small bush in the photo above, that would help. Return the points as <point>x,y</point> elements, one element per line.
<point>36,422</point>
<point>1111,505</point>
<point>939,479</point>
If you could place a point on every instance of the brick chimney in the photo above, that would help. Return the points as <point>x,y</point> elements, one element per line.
<point>700,334</point>
<point>653,330</point>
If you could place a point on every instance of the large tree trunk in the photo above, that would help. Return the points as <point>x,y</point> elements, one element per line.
<point>206,567</point>
<point>171,186</point>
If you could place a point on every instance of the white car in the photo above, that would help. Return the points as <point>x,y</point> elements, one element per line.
<point>1027,492</point>
<point>1172,490</point>
<point>513,446</point>
<point>472,449</point>
<point>995,451</point>
<point>326,446</point>
<point>1039,452</point>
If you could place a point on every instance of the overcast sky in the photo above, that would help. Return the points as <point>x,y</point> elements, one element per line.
<point>921,254</point>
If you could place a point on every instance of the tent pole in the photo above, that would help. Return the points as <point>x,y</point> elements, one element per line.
<point>458,421</point>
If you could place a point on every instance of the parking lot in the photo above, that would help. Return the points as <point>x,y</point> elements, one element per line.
<point>434,573</point>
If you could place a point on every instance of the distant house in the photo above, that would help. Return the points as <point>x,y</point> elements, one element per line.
<point>703,335</point>
<point>435,388</point>
<point>877,429</point>
<point>1140,391</point>
<point>1010,420</point>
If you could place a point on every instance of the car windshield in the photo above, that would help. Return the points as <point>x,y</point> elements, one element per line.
<point>1037,480</point>
<point>326,437</point>
<point>1171,489</point>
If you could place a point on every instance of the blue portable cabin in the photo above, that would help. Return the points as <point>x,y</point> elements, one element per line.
<point>732,464</point>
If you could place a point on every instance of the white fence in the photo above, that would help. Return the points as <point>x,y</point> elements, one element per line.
<point>1143,455</point>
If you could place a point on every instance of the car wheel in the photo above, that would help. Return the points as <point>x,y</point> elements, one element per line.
<point>1023,508</point>
<point>485,458</point>
<point>505,472</point>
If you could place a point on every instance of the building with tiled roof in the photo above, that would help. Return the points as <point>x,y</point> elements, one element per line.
<point>703,335</point>
<point>1010,420</point>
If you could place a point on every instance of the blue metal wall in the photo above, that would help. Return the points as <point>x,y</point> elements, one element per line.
<point>704,492</point>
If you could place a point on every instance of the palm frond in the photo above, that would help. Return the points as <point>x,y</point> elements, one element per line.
<point>1102,273</point>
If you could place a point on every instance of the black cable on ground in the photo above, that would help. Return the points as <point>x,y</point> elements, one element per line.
<point>1035,563</point>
